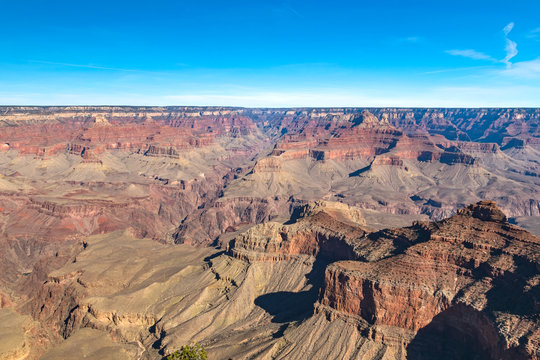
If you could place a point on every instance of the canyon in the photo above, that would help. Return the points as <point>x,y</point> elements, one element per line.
<point>127,232</point>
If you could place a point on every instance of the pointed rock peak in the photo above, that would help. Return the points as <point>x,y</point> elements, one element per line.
<point>333,208</point>
<point>101,120</point>
<point>367,119</point>
<point>384,120</point>
<point>484,210</point>
<point>147,119</point>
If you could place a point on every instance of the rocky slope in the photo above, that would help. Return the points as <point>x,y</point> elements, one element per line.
<point>472,277</point>
<point>310,154</point>
<point>358,159</point>
<point>72,172</point>
<point>322,285</point>
<point>67,173</point>
<point>495,125</point>
<point>287,192</point>
<point>464,287</point>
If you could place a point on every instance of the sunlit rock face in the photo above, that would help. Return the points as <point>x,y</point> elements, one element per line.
<point>459,277</point>
<point>262,233</point>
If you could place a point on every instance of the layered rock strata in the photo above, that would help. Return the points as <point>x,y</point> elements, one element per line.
<point>472,277</point>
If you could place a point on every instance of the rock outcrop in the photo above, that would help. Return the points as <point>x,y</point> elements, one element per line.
<point>495,125</point>
<point>322,229</point>
<point>310,205</point>
<point>320,285</point>
<point>473,265</point>
<point>466,285</point>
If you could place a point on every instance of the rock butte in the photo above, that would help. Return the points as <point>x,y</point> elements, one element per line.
<point>100,207</point>
<point>362,161</point>
<point>407,288</point>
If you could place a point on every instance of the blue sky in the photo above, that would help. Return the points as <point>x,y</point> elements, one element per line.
<point>271,53</point>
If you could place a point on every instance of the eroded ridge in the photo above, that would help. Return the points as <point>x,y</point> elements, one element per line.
<point>464,285</point>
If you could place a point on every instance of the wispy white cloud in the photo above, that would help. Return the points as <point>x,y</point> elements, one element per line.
<point>472,54</point>
<point>403,96</point>
<point>286,10</point>
<point>294,11</point>
<point>489,96</point>
<point>413,39</point>
<point>408,39</point>
<point>534,34</point>
<point>510,49</point>
<point>457,69</point>
<point>508,28</point>
<point>87,66</point>
<point>511,46</point>
<point>524,69</point>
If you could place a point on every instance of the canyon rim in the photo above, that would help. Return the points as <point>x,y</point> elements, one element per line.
<point>270,180</point>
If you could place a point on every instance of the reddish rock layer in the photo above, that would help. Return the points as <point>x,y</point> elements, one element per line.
<point>473,276</point>
<point>474,259</point>
<point>495,125</point>
<point>79,134</point>
<point>323,229</point>
<point>363,136</point>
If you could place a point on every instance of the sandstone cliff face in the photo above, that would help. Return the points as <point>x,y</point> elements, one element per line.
<point>68,173</point>
<point>81,131</point>
<point>205,176</point>
<point>363,136</point>
<point>157,297</point>
<point>310,159</point>
<point>478,125</point>
<point>362,161</point>
<point>395,152</point>
<point>472,278</point>
<point>71,172</point>
<point>323,229</point>
<point>204,225</point>
<point>461,267</point>
<point>322,285</point>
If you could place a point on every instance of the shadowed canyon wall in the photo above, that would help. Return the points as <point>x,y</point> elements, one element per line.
<point>301,221</point>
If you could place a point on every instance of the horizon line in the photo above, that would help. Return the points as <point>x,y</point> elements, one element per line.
<point>273,107</point>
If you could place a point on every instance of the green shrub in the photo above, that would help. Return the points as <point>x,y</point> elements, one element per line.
<point>189,352</point>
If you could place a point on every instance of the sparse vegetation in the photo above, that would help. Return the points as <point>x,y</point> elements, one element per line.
<point>189,352</point>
